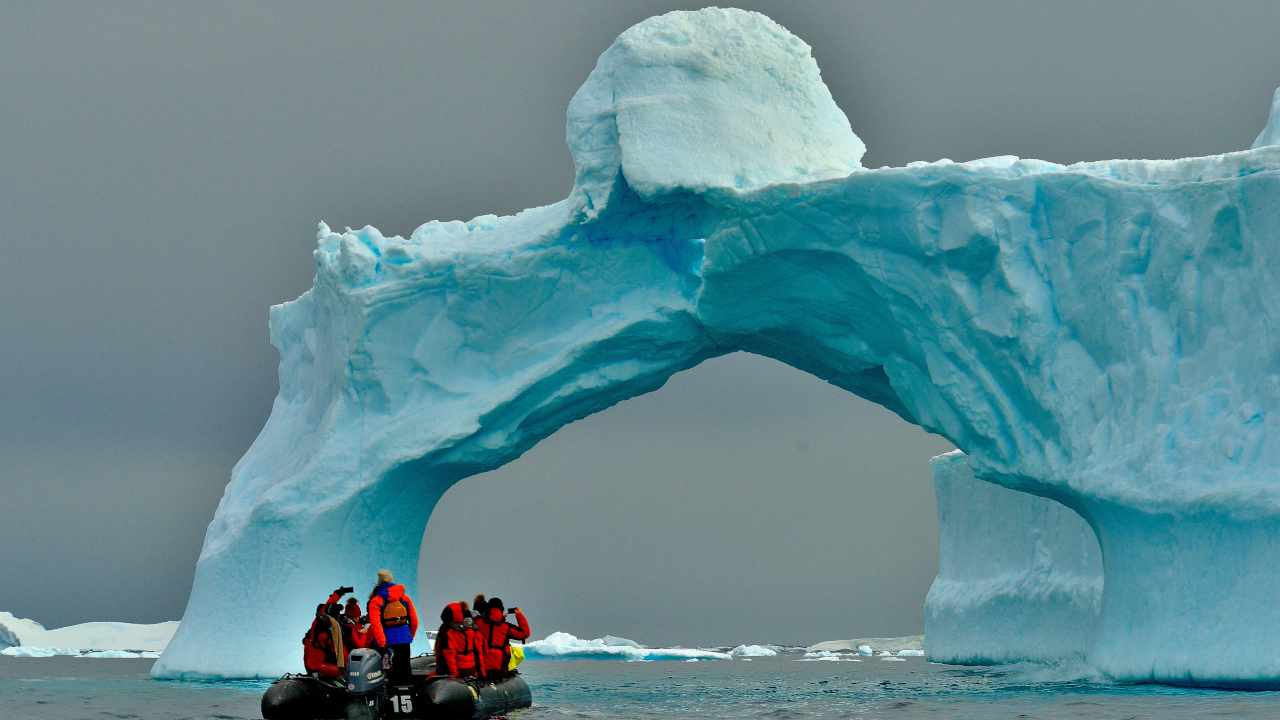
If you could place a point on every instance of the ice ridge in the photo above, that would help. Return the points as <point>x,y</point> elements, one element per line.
<point>1270,134</point>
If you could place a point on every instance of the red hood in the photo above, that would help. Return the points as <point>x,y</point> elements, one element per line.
<point>452,613</point>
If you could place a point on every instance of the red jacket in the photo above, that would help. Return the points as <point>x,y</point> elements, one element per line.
<point>496,635</point>
<point>361,634</point>
<point>376,603</point>
<point>318,652</point>
<point>457,649</point>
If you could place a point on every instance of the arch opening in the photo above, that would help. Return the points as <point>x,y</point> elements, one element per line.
<point>704,514</point>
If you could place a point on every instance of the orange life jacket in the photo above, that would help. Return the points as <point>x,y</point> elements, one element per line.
<point>395,613</point>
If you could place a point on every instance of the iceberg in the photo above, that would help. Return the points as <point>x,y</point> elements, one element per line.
<point>31,639</point>
<point>753,651</point>
<point>1101,334</point>
<point>23,651</point>
<point>1019,576</point>
<point>907,646</point>
<point>564,646</point>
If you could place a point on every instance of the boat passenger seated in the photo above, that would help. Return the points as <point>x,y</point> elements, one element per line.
<point>496,635</point>
<point>457,647</point>
<point>323,652</point>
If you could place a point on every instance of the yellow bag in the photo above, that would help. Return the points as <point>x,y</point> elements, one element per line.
<point>517,657</point>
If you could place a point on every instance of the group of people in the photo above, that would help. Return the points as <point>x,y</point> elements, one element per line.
<point>473,641</point>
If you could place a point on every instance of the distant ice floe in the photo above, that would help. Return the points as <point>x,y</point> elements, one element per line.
<point>828,656</point>
<point>564,646</point>
<point>753,651</point>
<point>895,649</point>
<point>905,646</point>
<point>119,654</point>
<point>28,651</point>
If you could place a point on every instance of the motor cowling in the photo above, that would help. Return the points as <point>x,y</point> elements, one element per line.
<point>365,675</point>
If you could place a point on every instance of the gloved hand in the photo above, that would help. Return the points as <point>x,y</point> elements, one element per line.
<point>344,590</point>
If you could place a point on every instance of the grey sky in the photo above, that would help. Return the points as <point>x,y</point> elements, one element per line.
<point>162,168</point>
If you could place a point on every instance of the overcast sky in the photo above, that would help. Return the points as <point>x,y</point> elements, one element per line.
<point>162,170</point>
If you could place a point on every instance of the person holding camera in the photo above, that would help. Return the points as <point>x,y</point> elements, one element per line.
<point>496,635</point>
<point>324,647</point>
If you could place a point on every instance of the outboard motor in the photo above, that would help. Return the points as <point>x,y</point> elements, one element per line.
<point>365,681</point>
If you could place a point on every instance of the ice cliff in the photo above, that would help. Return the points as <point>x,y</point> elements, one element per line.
<point>1019,576</point>
<point>1102,334</point>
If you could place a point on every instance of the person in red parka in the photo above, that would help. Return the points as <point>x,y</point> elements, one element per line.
<point>457,649</point>
<point>394,621</point>
<point>361,633</point>
<point>496,635</point>
<point>323,654</point>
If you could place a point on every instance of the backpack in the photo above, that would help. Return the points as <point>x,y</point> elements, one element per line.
<point>395,613</point>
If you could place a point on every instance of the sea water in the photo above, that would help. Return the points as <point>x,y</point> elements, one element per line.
<point>782,687</point>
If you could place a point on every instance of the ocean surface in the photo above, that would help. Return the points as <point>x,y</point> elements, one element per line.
<point>778,688</point>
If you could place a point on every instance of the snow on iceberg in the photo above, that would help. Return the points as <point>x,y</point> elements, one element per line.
<point>34,640</point>
<point>753,651</point>
<point>24,651</point>
<point>1100,333</point>
<point>906,645</point>
<point>563,646</point>
<point>675,101</point>
<point>1019,576</point>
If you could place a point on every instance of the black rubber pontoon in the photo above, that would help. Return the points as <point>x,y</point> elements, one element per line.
<point>301,697</point>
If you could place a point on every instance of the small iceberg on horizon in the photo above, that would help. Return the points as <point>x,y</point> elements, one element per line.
<point>905,646</point>
<point>754,651</point>
<point>565,646</point>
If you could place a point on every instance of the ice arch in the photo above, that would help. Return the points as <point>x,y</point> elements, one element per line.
<point>1099,333</point>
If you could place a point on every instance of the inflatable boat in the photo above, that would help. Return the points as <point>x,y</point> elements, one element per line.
<point>368,696</point>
